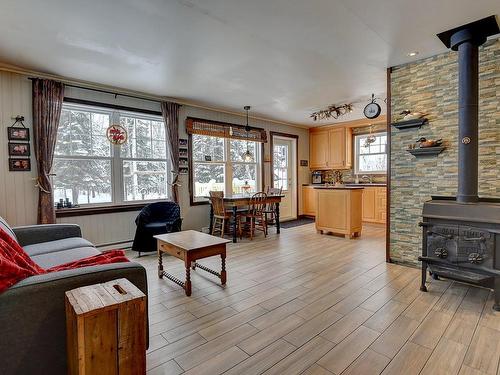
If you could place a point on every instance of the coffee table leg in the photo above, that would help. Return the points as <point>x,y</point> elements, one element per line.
<point>160,265</point>
<point>187,284</point>
<point>223,276</point>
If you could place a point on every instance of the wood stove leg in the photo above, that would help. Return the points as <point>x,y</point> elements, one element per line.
<point>423,288</point>
<point>496,305</point>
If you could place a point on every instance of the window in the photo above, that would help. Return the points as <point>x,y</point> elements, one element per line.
<point>218,164</point>
<point>371,157</point>
<point>280,167</point>
<point>88,169</point>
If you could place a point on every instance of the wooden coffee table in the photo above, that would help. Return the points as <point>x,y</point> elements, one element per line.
<point>191,246</point>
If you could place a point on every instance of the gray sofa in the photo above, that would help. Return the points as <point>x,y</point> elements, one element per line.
<point>32,312</point>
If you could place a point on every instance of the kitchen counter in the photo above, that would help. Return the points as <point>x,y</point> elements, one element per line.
<point>374,184</point>
<point>344,187</point>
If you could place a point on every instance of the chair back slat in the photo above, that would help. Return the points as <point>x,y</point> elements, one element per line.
<point>258,203</point>
<point>217,201</point>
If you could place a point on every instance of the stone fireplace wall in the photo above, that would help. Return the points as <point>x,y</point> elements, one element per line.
<point>430,86</point>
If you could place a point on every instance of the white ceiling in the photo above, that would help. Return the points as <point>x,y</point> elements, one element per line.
<point>285,58</point>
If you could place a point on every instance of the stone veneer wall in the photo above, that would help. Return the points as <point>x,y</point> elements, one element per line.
<point>430,86</point>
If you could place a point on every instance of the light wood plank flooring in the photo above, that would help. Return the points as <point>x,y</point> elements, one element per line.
<point>304,303</point>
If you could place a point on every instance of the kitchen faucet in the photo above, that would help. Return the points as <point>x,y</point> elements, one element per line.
<point>366,177</point>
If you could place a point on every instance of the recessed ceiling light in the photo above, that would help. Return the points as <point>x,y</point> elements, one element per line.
<point>412,54</point>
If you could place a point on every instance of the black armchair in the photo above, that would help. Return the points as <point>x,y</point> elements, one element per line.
<point>155,218</point>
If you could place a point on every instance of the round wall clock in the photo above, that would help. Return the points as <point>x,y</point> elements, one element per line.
<point>372,109</point>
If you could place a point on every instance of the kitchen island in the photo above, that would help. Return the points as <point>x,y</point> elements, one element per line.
<point>339,210</point>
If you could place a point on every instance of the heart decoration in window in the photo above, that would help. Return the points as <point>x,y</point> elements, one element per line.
<point>116,134</point>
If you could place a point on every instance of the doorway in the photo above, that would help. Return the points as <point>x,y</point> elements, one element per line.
<point>284,172</point>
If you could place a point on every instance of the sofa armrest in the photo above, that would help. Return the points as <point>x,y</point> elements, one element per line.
<point>33,317</point>
<point>32,234</point>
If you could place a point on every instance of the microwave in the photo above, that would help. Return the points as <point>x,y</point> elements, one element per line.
<point>317,177</point>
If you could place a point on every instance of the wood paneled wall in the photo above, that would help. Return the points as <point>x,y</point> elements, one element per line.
<point>18,195</point>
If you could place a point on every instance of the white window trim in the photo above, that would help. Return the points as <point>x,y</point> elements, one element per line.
<point>357,155</point>
<point>117,181</point>
<point>228,168</point>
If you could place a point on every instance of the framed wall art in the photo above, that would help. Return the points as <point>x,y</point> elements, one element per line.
<point>19,165</point>
<point>19,149</point>
<point>18,134</point>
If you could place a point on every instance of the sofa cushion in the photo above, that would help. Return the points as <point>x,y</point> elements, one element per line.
<point>52,259</point>
<point>7,228</point>
<point>55,246</point>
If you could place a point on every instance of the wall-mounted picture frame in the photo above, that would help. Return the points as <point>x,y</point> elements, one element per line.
<point>183,162</point>
<point>183,152</point>
<point>304,163</point>
<point>183,171</point>
<point>183,142</point>
<point>18,134</point>
<point>19,149</point>
<point>19,165</point>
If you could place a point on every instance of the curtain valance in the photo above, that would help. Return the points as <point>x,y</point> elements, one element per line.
<point>224,130</point>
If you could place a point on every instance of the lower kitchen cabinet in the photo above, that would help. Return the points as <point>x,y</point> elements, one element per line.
<point>374,204</point>
<point>308,201</point>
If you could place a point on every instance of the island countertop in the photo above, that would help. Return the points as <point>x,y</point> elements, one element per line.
<point>373,184</point>
<point>332,187</point>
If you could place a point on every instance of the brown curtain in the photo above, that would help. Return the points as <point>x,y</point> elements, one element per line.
<point>47,104</point>
<point>170,112</point>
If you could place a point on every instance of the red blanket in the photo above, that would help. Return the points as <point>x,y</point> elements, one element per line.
<point>16,265</point>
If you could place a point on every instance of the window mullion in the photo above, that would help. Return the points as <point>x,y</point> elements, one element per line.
<point>228,171</point>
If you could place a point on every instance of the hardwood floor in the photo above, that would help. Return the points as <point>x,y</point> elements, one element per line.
<point>305,303</point>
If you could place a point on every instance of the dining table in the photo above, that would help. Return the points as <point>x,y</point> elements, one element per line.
<point>239,201</point>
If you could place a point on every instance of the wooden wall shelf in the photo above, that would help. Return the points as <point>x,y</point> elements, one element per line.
<point>416,123</point>
<point>426,151</point>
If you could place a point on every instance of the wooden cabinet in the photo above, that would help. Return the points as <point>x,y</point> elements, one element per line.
<point>318,144</point>
<point>369,204</point>
<point>330,148</point>
<point>374,204</point>
<point>308,201</point>
<point>339,211</point>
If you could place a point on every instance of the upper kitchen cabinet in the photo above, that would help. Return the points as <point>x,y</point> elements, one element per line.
<point>330,148</point>
<point>318,148</point>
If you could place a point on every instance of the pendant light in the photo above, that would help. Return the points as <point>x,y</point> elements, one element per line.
<point>247,156</point>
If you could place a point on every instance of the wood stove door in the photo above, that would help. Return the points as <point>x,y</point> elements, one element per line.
<point>442,242</point>
<point>476,247</point>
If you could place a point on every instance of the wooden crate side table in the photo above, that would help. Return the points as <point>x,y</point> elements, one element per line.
<point>191,246</point>
<point>106,329</point>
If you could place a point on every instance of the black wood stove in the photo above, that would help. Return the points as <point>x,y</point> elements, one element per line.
<point>461,235</point>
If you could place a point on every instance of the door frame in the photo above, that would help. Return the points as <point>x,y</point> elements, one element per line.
<point>273,134</point>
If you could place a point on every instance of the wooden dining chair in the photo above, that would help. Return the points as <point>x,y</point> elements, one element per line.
<point>221,217</point>
<point>255,215</point>
<point>270,210</point>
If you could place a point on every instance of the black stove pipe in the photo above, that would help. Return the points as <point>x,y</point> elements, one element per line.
<point>466,39</point>
<point>468,110</point>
